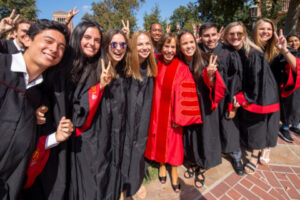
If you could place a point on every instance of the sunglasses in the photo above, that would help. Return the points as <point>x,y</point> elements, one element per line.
<point>239,34</point>
<point>114,45</point>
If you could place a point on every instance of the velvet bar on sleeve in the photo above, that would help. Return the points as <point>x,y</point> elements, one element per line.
<point>174,101</point>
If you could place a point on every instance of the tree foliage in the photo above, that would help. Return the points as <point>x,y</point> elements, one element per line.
<point>292,17</point>
<point>185,16</point>
<point>153,17</point>
<point>109,13</point>
<point>26,8</point>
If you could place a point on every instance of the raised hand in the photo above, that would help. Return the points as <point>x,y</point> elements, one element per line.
<point>70,15</point>
<point>64,130</point>
<point>126,28</point>
<point>168,28</point>
<point>106,76</point>
<point>220,33</point>
<point>281,43</point>
<point>40,115</point>
<point>194,29</point>
<point>178,27</point>
<point>212,66</point>
<point>8,23</point>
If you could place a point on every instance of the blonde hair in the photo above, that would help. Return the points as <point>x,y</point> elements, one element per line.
<point>247,43</point>
<point>132,68</point>
<point>269,48</point>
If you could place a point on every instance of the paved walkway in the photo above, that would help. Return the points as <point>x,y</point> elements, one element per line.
<point>279,180</point>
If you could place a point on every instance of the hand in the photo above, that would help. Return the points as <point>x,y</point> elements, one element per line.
<point>221,32</point>
<point>168,28</point>
<point>72,13</point>
<point>64,130</point>
<point>8,23</point>
<point>105,77</point>
<point>175,125</point>
<point>212,66</point>
<point>194,28</point>
<point>40,115</point>
<point>281,43</point>
<point>178,27</point>
<point>126,28</point>
<point>235,103</point>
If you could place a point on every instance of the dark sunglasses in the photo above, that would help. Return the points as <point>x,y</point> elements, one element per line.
<point>114,45</point>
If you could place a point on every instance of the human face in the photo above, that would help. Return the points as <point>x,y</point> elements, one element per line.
<point>117,48</point>
<point>235,36</point>
<point>90,42</point>
<point>169,51</point>
<point>46,49</point>
<point>156,32</point>
<point>143,47</point>
<point>294,42</point>
<point>264,31</point>
<point>187,45</point>
<point>20,33</point>
<point>210,38</point>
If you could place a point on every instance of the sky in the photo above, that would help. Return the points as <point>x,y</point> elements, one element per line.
<point>46,7</point>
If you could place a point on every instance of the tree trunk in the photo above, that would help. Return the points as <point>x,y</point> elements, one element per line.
<point>292,17</point>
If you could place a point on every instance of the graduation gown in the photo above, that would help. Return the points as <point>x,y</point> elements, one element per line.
<point>48,178</point>
<point>139,102</point>
<point>8,47</point>
<point>259,100</point>
<point>97,146</point>
<point>17,127</point>
<point>174,101</point>
<point>202,142</point>
<point>290,92</point>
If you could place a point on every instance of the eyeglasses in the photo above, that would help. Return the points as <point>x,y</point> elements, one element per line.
<point>114,45</point>
<point>238,34</point>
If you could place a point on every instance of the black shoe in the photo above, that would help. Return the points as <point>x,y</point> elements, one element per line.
<point>295,130</point>
<point>285,135</point>
<point>238,167</point>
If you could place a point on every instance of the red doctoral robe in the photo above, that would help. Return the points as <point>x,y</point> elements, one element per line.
<point>174,101</point>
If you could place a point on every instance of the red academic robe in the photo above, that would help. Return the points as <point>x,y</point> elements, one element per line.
<point>174,100</point>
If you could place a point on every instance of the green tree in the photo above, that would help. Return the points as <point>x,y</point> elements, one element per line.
<point>153,17</point>
<point>222,12</point>
<point>26,8</point>
<point>185,16</point>
<point>292,17</point>
<point>109,13</point>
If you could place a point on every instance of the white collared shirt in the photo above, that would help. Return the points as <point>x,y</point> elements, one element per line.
<point>18,65</point>
<point>17,46</point>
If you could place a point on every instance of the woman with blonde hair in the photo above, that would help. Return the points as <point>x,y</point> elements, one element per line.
<point>140,71</point>
<point>281,60</point>
<point>258,96</point>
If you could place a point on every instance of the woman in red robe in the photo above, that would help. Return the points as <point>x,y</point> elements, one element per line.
<point>174,105</point>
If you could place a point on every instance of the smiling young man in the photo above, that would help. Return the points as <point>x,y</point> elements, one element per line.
<point>20,95</point>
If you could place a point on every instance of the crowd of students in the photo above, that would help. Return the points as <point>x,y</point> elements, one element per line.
<point>83,114</point>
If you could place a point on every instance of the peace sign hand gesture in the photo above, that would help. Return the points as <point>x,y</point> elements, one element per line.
<point>105,77</point>
<point>212,66</point>
<point>71,14</point>
<point>168,28</point>
<point>281,43</point>
<point>126,28</point>
<point>8,23</point>
<point>220,33</point>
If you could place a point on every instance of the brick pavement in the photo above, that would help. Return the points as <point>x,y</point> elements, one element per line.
<point>279,180</point>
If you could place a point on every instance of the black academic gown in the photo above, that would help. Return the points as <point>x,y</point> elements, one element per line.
<point>96,153</point>
<point>8,47</point>
<point>259,100</point>
<point>52,183</point>
<point>138,111</point>
<point>202,142</point>
<point>17,127</point>
<point>289,105</point>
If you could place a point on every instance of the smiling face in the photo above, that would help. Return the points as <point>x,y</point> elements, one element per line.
<point>264,31</point>
<point>46,49</point>
<point>117,48</point>
<point>187,45</point>
<point>210,38</point>
<point>90,42</point>
<point>143,47</point>
<point>156,32</point>
<point>235,36</point>
<point>21,32</point>
<point>294,42</point>
<point>169,50</point>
